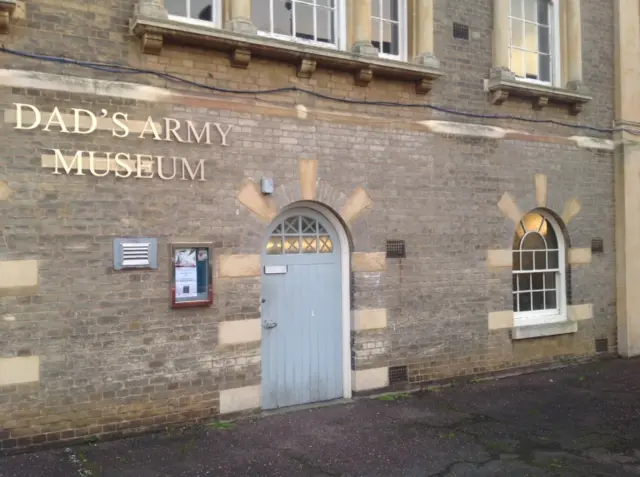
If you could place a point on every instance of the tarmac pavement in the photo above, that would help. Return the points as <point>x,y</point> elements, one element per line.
<point>580,421</point>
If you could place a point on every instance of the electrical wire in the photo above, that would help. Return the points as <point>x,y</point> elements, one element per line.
<point>121,69</point>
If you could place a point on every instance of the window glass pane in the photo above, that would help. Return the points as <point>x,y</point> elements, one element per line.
<point>324,244</point>
<point>530,10</point>
<point>326,3</point>
<point>390,10</point>
<point>516,8</point>
<point>375,7</point>
<point>550,281</point>
<point>516,261</point>
<point>526,260</point>
<point>517,36</point>
<point>309,245</point>
<point>540,260</point>
<point>533,241</point>
<point>517,62</point>
<point>176,7</point>
<point>514,285</point>
<point>391,44</point>
<point>282,17</point>
<point>545,67</point>
<point>308,225</point>
<point>261,15</point>
<point>524,282</point>
<point>552,240</point>
<point>291,244</point>
<point>531,37</point>
<point>524,302</point>
<point>326,32</point>
<point>537,281</point>
<point>304,21</point>
<point>543,12</point>
<point>515,302</point>
<point>538,301</point>
<point>202,9</point>
<point>531,65</point>
<point>274,246</point>
<point>375,33</point>
<point>550,298</point>
<point>543,39</point>
<point>552,260</point>
<point>292,225</point>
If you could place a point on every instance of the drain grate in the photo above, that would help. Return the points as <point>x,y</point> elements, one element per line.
<point>398,374</point>
<point>602,345</point>
<point>396,249</point>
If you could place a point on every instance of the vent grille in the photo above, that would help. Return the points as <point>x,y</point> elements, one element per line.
<point>602,345</point>
<point>135,255</point>
<point>398,374</point>
<point>132,253</point>
<point>460,31</point>
<point>396,249</point>
<point>597,245</point>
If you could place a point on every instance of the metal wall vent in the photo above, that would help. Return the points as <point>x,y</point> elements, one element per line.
<point>597,245</point>
<point>460,31</point>
<point>398,374</point>
<point>135,253</point>
<point>396,249</point>
<point>602,345</point>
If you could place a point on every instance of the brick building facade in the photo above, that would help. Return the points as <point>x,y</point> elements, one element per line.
<point>419,169</point>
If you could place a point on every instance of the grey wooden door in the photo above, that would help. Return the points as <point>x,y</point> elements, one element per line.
<point>301,312</point>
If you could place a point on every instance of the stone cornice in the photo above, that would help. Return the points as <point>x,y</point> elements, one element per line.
<point>154,32</point>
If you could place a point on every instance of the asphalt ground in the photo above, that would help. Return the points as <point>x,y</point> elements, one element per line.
<point>578,421</point>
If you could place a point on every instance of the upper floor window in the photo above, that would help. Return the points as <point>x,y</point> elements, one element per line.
<point>539,294</point>
<point>534,40</point>
<point>389,28</point>
<point>308,21</point>
<point>195,11</point>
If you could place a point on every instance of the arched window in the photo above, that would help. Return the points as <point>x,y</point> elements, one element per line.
<point>299,234</point>
<point>539,290</point>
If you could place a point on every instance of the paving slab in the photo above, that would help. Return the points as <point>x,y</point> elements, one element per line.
<point>577,421</point>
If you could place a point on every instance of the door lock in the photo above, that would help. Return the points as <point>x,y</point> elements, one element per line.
<point>269,324</point>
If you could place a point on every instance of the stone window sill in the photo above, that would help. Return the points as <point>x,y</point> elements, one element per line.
<point>154,32</point>
<point>7,8</point>
<point>543,329</point>
<point>503,84</point>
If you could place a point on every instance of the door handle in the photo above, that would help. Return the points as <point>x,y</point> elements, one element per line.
<point>268,325</point>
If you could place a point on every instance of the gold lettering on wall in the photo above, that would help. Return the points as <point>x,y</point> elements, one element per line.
<point>83,122</point>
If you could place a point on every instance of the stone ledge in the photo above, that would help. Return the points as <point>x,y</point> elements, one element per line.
<point>7,9</point>
<point>154,32</point>
<point>546,329</point>
<point>503,84</point>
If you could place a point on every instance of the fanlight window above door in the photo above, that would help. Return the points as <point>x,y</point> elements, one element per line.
<point>299,234</point>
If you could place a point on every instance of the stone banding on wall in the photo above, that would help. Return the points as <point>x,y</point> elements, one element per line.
<point>369,319</point>
<point>19,278</point>
<point>117,89</point>
<point>19,370</point>
<point>369,379</point>
<point>240,399</point>
<point>239,331</point>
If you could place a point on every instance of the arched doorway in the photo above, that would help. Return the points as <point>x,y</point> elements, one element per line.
<point>303,319</point>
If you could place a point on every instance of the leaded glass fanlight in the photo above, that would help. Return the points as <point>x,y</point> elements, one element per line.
<point>299,234</point>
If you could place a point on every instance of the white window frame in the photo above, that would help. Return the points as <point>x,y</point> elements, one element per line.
<point>216,15</point>
<point>554,45</point>
<point>340,25</point>
<point>403,30</point>
<point>559,314</point>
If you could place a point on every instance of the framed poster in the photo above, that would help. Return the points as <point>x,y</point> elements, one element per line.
<point>191,275</point>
